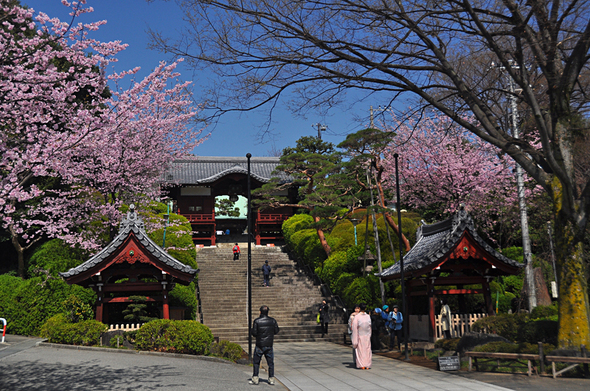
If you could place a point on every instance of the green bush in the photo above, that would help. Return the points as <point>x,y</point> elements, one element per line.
<point>538,331</point>
<point>294,224</point>
<point>179,241</point>
<point>176,336</point>
<point>85,333</point>
<point>306,246</point>
<point>77,310</point>
<point>360,291</point>
<point>447,344</point>
<point>56,256</point>
<point>117,341</point>
<point>27,304</point>
<point>226,350</point>
<point>184,296</point>
<point>505,325</point>
<point>506,347</point>
<point>544,312</point>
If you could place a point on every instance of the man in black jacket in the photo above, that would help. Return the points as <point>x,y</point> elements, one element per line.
<point>264,329</point>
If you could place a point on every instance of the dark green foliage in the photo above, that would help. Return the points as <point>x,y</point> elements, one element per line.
<point>85,333</point>
<point>505,325</point>
<point>505,347</point>
<point>521,327</point>
<point>184,296</point>
<point>174,336</point>
<point>307,247</point>
<point>360,290</point>
<point>447,344</point>
<point>55,256</point>
<point>226,350</point>
<point>333,267</point>
<point>179,242</point>
<point>136,311</point>
<point>117,341</point>
<point>538,331</point>
<point>226,207</point>
<point>27,304</point>
<point>544,312</point>
<point>76,310</point>
<point>294,224</point>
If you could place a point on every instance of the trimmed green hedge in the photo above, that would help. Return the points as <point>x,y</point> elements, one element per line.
<point>522,327</point>
<point>58,329</point>
<point>27,304</point>
<point>226,350</point>
<point>56,256</point>
<point>174,336</point>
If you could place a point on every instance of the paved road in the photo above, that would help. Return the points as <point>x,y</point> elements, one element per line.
<point>59,369</point>
<point>317,366</point>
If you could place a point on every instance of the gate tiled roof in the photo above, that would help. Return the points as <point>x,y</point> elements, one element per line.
<point>208,169</point>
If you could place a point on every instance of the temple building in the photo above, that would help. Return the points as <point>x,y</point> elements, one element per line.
<point>194,184</point>
<point>449,258</point>
<point>131,265</point>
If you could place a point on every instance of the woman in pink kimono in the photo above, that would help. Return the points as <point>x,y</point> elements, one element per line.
<point>361,338</point>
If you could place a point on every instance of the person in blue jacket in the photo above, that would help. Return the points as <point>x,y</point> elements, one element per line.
<point>385,317</point>
<point>396,321</point>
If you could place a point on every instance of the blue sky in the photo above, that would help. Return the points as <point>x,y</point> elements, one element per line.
<point>234,134</point>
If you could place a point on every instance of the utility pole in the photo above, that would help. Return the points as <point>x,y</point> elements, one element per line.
<point>321,128</point>
<point>526,241</point>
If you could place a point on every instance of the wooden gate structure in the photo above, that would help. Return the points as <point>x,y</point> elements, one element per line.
<point>447,257</point>
<point>194,183</point>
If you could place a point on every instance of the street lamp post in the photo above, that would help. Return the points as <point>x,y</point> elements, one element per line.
<point>401,259</point>
<point>248,156</point>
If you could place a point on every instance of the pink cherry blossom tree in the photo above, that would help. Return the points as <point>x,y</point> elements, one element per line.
<point>442,167</point>
<point>70,149</point>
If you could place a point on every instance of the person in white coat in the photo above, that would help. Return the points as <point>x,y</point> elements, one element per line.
<point>445,318</point>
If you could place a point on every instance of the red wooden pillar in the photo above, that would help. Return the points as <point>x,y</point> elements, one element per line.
<point>99,303</point>
<point>165,308</point>
<point>431,308</point>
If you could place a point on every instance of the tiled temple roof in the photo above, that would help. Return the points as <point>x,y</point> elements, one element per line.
<point>208,169</point>
<point>132,223</point>
<point>434,241</point>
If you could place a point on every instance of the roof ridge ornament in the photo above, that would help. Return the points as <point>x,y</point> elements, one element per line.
<point>132,219</point>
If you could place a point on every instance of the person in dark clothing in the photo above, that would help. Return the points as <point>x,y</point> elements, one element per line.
<point>264,329</point>
<point>324,317</point>
<point>236,250</point>
<point>376,325</point>
<point>266,273</point>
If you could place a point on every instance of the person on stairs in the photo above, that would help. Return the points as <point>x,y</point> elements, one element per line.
<point>236,251</point>
<point>324,317</point>
<point>266,273</point>
<point>264,328</point>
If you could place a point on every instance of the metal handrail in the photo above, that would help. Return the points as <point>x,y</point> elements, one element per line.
<point>198,294</point>
<point>335,300</point>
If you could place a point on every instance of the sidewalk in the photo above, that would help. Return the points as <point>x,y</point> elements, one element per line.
<point>326,366</point>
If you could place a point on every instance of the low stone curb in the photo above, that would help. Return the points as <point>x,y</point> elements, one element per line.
<point>130,351</point>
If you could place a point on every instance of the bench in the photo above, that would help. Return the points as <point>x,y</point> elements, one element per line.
<point>473,356</point>
<point>564,359</point>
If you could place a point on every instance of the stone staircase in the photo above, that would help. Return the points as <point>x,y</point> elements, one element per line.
<point>292,298</point>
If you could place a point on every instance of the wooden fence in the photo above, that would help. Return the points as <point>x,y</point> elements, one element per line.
<point>125,327</point>
<point>461,324</point>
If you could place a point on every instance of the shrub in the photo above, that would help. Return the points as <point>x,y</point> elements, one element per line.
<point>28,304</point>
<point>77,310</point>
<point>447,344</point>
<point>179,242</point>
<point>226,350</point>
<point>359,291</point>
<point>544,312</point>
<point>117,341</point>
<point>176,336</point>
<point>294,224</point>
<point>332,268</point>
<point>184,296</point>
<point>538,331</point>
<point>57,329</point>
<point>505,325</point>
<point>56,256</point>
<point>504,347</point>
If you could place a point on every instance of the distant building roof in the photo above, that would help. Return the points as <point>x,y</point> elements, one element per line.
<point>132,224</point>
<point>436,241</point>
<point>208,169</point>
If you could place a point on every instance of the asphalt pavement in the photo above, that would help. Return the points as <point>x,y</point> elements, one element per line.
<point>27,364</point>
